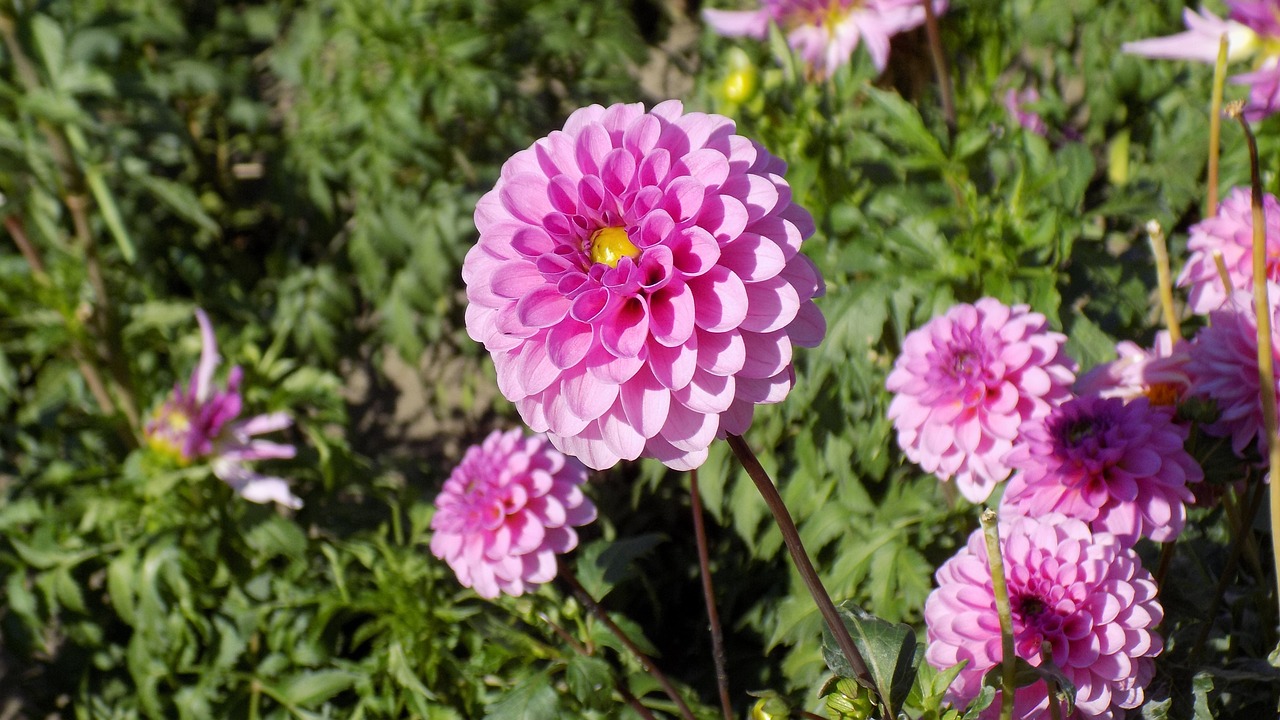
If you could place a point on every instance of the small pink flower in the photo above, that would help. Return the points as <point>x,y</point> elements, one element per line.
<point>1230,232</point>
<point>1082,591</point>
<point>506,511</point>
<point>1224,368</point>
<point>1016,102</point>
<point>639,283</point>
<point>966,381</point>
<point>826,32</point>
<point>1119,467</point>
<point>199,423</point>
<point>1159,374</point>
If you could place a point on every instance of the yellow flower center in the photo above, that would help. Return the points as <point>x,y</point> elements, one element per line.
<point>1162,394</point>
<point>611,244</point>
<point>170,425</point>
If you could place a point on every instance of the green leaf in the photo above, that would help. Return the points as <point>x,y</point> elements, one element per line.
<point>888,649</point>
<point>312,688</point>
<point>590,680</point>
<point>532,699</point>
<point>602,565</point>
<point>1200,687</point>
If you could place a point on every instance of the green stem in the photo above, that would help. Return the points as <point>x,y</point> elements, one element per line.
<point>1008,659</point>
<point>1164,279</point>
<point>791,537</point>
<point>1055,712</point>
<point>940,65</point>
<point>1215,127</point>
<point>1266,352</point>
<point>709,595</point>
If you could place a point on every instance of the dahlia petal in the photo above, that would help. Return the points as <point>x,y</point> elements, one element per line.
<point>624,333</point>
<point>645,403</point>
<point>542,307</point>
<point>771,305</point>
<point>591,147</point>
<point>671,315</point>
<point>586,396</point>
<point>721,353</point>
<point>674,367</point>
<point>568,343</point>
<point>621,437</point>
<point>767,354</point>
<point>709,167</point>
<point>753,257</point>
<point>721,300</point>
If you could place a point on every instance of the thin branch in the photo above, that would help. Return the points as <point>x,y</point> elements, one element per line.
<point>940,64</point>
<point>995,560</point>
<point>709,595</point>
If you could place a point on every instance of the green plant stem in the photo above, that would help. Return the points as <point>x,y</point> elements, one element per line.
<point>995,560</point>
<point>594,608</point>
<point>1164,279</point>
<point>1051,687</point>
<point>709,595</point>
<point>577,647</point>
<point>939,65</point>
<point>1215,127</point>
<point>1266,353</point>
<point>791,537</point>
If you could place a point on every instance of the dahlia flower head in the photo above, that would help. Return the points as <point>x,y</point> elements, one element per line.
<point>1229,231</point>
<point>1081,590</point>
<point>1121,467</point>
<point>1252,28</point>
<point>1224,368</point>
<point>825,33</point>
<point>200,422</point>
<point>965,383</point>
<point>639,284</point>
<point>506,511</point>
<point>1159,373</point>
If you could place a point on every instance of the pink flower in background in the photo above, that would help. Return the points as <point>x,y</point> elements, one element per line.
<point>1082,591</point>
<point>1230,232</point>
<point>506,511</point>
<point>1224,368</point>
<point>1159,374</point>
<point>966,381</point>
<point>199,422</point>
<point>826,32</point>
<point>1252,28</point>
<point>1016,102</point>
<point>639,284</point>
<point>1118,466</point>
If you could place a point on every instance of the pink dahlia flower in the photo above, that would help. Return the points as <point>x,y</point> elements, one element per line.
<point>1252,28</point>
<point>1224,368</point>
<point>1230,232</point>
<point>1082,591</point>
<point>966,381</point>
<point>639,284</point>
<point>506,511</point>
<point>1118,466</point>
<point>1159,374</point>
<point>199,422</point>
<point>826,32</point>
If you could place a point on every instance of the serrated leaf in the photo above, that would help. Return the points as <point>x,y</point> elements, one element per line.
<point>1201,684</point>
<point>590,680</point>
<point>602,565</point>
<point>532,699</point>
<point>888,649</point>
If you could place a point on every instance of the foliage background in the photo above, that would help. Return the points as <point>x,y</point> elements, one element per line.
<point>305,170</point>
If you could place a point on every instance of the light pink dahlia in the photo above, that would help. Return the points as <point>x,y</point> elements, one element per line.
<point>201,422</point>
<point>826,32</point>
<point>639,284</point>
<point>966,381</point>
<point>1159,374</point>
<point>1224,368</point>
<point>1230,232</point>
<point>1118,466</point>
<point>506,511</point>
<point>1083,591</point>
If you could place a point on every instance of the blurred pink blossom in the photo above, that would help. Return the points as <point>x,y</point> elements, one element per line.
<point>1229,231</point>
<point>506,511</point>
<point>1082,591</point>
<point>1159,374</point>
<point>1224,368</point>
<point>1252,29</point>
<point>199,422</point>
<point>639,284</point>
<point>1118,466</point>
<point>966,381</point>
<point>826,32</point>
<point>1016,102</point>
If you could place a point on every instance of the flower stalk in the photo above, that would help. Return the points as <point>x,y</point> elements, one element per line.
<point>1164,280</point>
<point>1008,667</point>
<point>708,594</point>
<point>791,537</point>
<point>1215,126</point>
<point>594,608</point>
<point>939,64</point>
<point>1262,305</point>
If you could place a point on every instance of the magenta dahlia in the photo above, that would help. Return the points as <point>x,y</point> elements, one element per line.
<point>965,383</point>
<point>201,422</point>
<point>1159,374</point>
<point>1082,591</point>
<point>1224,368</point>
<point>826,32</point>
<point>1121,467</point>
<point>506,511</point>
<point>639,284</point>
<point>1230,232</point>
